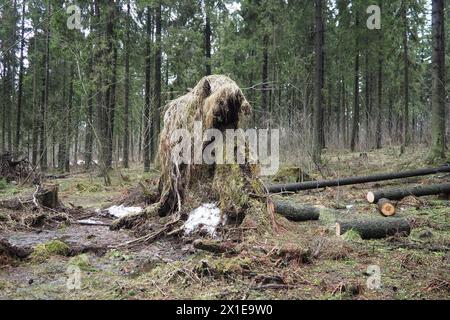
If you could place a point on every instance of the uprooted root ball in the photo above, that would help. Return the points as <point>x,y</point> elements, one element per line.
<point>218,103</point>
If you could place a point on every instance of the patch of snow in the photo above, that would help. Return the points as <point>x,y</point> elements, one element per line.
<point>121,211</point>
<point>205,218</point>
<point>91,221</point>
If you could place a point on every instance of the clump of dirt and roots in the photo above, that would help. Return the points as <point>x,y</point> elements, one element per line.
<point>217,103</point>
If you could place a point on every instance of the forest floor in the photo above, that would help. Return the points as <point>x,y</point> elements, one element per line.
<point>301,261</point>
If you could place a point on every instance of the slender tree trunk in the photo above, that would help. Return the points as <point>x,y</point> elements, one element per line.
<point>406,81</point>
<point>69,122</point>
<point>147,131</point>
<point>88,143</point>
<point>319,84</point>
<point>35,129</point>
<point>46,83</point>
<point>355,128</point>
<point>265,75</point>
<point>439,80</point>
<point>157,88</point>
<point>379,134</point>
<point>367,97</point>
<point>207,35</point>
<point>64,114</point>
<point>126,120</point>
<point>3,101</point>
<point>20,93</point>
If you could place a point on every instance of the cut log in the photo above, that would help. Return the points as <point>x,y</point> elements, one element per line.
<point>296,212</point>
<point>47,196</point>
<point>386,207</point>
<point>375,228</point>
<point>398,194</point>
<point>294,187</point>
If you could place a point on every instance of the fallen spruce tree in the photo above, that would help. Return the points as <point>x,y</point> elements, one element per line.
<point>400,193</point>
<point>311,185</point>
<point>217,103</point>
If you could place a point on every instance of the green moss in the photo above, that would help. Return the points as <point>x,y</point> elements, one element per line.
<point>81,261</point>
<point>53,248</point>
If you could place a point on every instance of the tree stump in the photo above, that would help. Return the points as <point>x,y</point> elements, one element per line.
<point>47,196</point>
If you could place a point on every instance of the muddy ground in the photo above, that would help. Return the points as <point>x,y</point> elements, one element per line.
<point>298,261</point>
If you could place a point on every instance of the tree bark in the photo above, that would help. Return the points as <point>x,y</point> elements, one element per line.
<point>296,212</point>
<point>419,191</point>
<point>156,114</point>
<point>207,35</point>
<point>20,90</point>
<point>319,84</point>
<point>375,228</point>
<point>265,75</point>
<point>406,81</point>
<point>356,115</point>
<point>45,91</point>
<point>126,120</point>
<point>146,118</point>
<point>438,114</point>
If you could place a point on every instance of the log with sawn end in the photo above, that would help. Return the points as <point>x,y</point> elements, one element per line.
<point>400,193</point>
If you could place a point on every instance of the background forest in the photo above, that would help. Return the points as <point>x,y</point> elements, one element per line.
<point>92,90</point>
